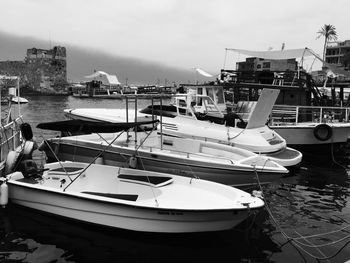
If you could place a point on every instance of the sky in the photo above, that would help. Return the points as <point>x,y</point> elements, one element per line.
<point>185,34</point>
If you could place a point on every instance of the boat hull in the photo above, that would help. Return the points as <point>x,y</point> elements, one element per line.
<point>151,160</point>
<point>260,140</point>
<point>123,198</point>
<point>304,138</point>
<point>152,220</point>
<point>303,135</point>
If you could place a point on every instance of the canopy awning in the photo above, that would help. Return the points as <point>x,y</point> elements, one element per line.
<point>290,54</point>
<point>276,54</point>
<point>112,79</point>
<point>90,126</point>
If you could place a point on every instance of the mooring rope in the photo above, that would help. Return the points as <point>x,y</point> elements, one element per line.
<point>295,240</point>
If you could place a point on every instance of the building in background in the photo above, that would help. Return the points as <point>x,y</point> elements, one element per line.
<point>261,64</point>
<point>338,53</point>
<point>42,71</point>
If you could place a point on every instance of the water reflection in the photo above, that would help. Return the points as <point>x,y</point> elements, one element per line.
<point>310,205</point>
<point>79,242</point>
<point>313,202</point>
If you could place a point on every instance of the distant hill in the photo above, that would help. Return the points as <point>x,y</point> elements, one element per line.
<point>82,62</point>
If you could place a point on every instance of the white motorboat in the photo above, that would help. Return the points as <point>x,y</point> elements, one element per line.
<point>183,122</point>
<point>128,198</point>
<point>310,129</point>
<point>156,152</point>
<point>20,100</point>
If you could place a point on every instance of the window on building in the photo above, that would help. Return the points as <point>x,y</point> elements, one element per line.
<point>266,64</point>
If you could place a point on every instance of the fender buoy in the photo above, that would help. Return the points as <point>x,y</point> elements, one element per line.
<point>133,162</point>
<point>26,131</point>
<point>323,132</point>
<point>4,193</point>
<point>11,161</point>
<point>28,147</point>
<point>23,151</point>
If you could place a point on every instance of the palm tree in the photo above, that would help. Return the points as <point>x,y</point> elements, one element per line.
<point>329,33</point>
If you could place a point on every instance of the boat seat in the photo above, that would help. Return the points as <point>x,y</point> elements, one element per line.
<point>155,181</point>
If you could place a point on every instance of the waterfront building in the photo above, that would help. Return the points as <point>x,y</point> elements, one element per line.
<point>261,64</point>
<point>338,53</point>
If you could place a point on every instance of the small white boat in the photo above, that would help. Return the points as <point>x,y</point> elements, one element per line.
<point>182,121</point>
<point>155,152</point>
<point>20,100</point>
<point>128,198</point>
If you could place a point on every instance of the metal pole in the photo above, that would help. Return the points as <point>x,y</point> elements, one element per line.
<point>161,123</point>
<point>136,127</point>
<point>18,96</point>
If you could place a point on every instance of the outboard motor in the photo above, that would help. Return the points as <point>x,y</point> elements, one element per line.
<point>28,168</point>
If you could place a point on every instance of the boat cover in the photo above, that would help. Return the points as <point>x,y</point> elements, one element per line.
<point>276,54</point>
<point>112,79</point>
<point>90,126</point>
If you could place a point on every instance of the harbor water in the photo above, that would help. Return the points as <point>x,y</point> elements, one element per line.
<point>307,218</point>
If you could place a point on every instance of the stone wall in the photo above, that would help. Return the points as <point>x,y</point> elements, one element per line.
<point>43,71</point>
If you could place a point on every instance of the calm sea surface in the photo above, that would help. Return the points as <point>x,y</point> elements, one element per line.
<point>307,220</point>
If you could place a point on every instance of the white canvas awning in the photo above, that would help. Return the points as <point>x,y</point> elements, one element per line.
<point>289,54</point>
<point>276,54</point>
<point>112,79</point>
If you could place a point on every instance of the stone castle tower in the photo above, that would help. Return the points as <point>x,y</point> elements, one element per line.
<point>42,70</point>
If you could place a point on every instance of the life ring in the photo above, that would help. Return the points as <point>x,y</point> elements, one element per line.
<point>323,132</point>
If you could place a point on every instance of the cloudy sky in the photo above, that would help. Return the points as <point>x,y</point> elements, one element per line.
<point>178,33</point>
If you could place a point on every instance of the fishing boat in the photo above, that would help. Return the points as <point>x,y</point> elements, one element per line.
<point>102,86</point>
<point>123,197</point>
<point>160,153</point>
<point>307,118</point>
<point>181,120</point>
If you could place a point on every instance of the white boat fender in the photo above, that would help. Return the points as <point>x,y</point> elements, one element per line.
<point>12,158</point>
<point>4,192</point>
<point>323,132</point>
<point>133,162</point>
<point>28,147</point>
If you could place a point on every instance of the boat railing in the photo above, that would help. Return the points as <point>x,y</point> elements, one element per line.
<point>10,137</point>
<point>188,154</point>
<point>292,115</point>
